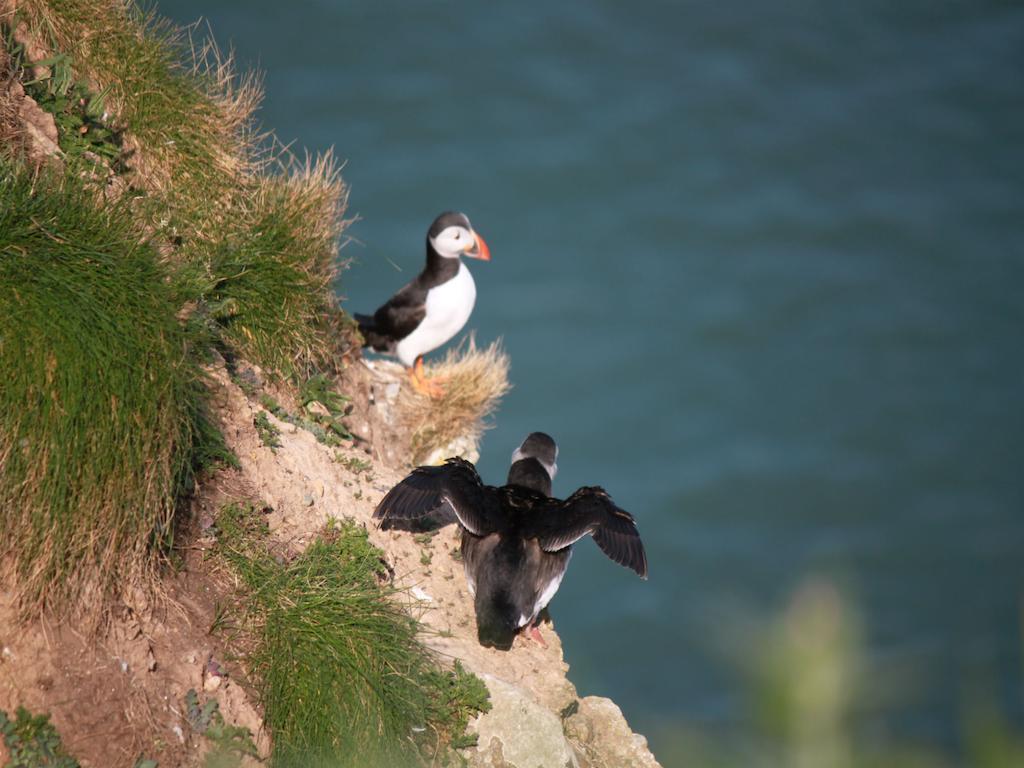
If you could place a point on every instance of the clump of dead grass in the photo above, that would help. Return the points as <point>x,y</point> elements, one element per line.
<point>474,379</point>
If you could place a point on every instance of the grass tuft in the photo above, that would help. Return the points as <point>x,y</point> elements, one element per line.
<point>270,281</point>
<point>101,410</point>
<point>343,679</point>
<point>475,380</point>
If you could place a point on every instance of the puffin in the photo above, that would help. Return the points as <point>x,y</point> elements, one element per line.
<point>434,306</point>
<point>517,538</point>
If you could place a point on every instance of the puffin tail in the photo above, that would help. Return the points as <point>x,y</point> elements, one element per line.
<point>495,620</point>
<point>368,328</point>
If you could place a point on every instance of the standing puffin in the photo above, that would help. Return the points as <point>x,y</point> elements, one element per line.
<point>516,539</point>
<point>434,306</point>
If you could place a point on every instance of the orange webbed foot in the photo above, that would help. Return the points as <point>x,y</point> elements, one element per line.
<point>420,383</point>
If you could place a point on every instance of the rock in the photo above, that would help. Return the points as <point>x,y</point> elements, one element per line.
<point>602,736</point>
<point>518,732</point>
<point>420,594</point>
<point>317,408</point>
<point>38,126</point>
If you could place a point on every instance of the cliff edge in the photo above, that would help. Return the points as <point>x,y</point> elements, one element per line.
<point>538,719</point>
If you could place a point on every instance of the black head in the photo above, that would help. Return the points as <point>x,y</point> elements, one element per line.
<point>534,463</point>
<point>451,236</point>
<point>448,219</point>
<point>539,446</point>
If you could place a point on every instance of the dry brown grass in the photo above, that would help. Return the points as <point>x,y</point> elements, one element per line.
<point>474,379</point>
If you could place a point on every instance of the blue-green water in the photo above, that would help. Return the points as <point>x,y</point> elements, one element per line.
<point>759,271</point>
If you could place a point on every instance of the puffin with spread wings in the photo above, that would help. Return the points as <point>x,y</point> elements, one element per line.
<point>516,539</point>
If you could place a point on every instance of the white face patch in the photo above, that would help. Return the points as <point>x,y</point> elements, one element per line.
<point>453,241</point>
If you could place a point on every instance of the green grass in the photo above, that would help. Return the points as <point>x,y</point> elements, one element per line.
<point>251,232</point>
<point>101,406</point>
<point>327,429</point>
<point>271,278</point>
<point>342,677</point>
<point>113,295</point>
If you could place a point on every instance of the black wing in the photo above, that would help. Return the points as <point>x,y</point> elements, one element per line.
<point>450,492</point>
<point>402,313</point>
<point>591,510</point>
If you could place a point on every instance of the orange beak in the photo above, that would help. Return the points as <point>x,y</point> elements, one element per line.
<point>479,249</point>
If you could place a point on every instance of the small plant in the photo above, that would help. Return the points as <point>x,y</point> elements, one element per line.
<point>78,113</point>
<point>268,432</point>
<point>246,381</point>
<point>270,403</point>
<point>230,742</point>
<point>32,742</point>
<point>329,432</point>
<point>353,464</point>
<point>459,696</point>
<point>318,389</point>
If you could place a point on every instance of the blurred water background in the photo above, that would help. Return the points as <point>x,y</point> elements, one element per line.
<point>759,271</point>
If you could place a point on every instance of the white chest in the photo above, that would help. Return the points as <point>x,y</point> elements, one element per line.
<point>449,306</point>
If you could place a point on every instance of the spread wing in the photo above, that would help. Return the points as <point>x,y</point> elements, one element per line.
<point>591,510</point>
<point>450,492</point>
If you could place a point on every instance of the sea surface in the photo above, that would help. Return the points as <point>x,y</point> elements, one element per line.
<point>760,272</point>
